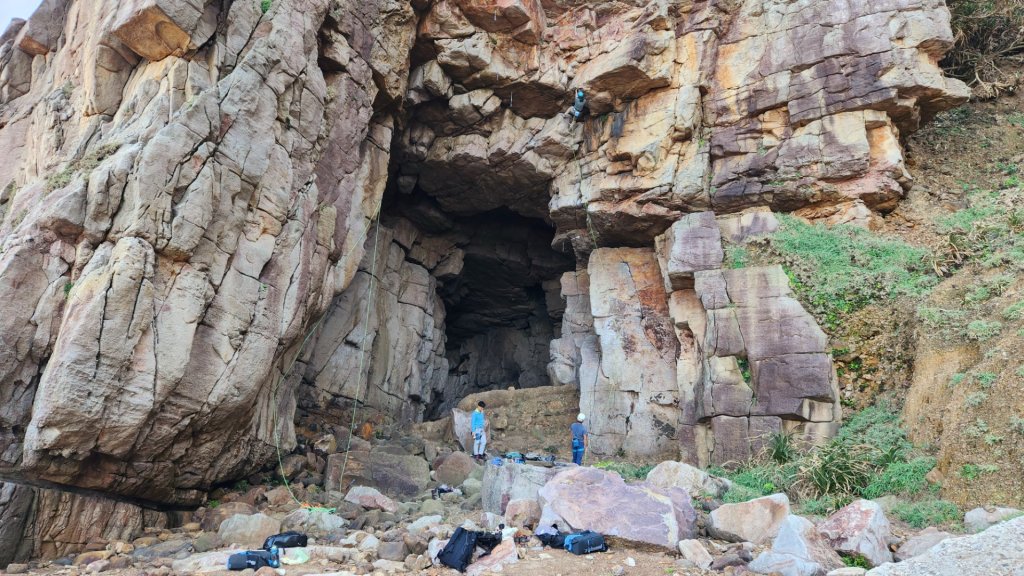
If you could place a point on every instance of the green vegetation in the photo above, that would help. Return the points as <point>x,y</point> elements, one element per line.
<point>213,504</point>
<point>870,457</point>
<point>924,513</point>
<point>901,478</point>
<point>67,288</point>
<point>265,5</point>
<point>84,165</point>
<point>983,329</point>
<point>736,256</point>
<point>625,469</point>
<point>1015,311</point>
<point>841,269</point>
<point>857,561</point>
<point>975,399</point>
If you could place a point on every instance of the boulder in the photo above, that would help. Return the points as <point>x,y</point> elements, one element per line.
<point>696,553</point>
<point>797,550</point>
<point>430,507</point>
<point>859,529</point>
<point>980,519</point>
<point>920,543</point>
<point>695,481</point>
<point>207,541</point>
<point>756,520</point>
<point>215,516</point>
<point>502,484</point>
<point>423,523</point>
<point>848,571</point>
<point>248,530</point>
<point>176,549</point>
<point>314,523</point>
<point>394,551</point>
<point>370,498</point>
<point>503,555</point>
<point>455,469</point>
<point>997,550</point>
<point>593,499</point>
<point>522,513</point>
<point>208,562</point>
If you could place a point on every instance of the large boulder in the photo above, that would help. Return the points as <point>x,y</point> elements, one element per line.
<point>998,550</point>
<point>510,481</point>
<point>756,520</point>
<point>455,468</point>
<point>249,530</point>
<point>313,522</point>
<point>920,543</point>
<point>522,513</point>
<point>695,481</point>
<point>859,529</point>
<point>214,517</point>
<point>797,550</point>
<point>370,498</point>
<point>979,519</point>
<point>397,475</point>
<point>593,499</point>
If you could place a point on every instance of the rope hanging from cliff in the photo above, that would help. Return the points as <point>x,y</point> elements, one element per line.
<point>370,296</point>
<point>375,221</point>
<point>575,271</point>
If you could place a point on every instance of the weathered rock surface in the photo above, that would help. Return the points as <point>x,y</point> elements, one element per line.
<point>998,550</point>
<point>756,521</point>
<point>859,529</point>
<point>797,550</point>
<point>249,530</point>
<point>503,484</point>
<point>980,519</point>
<point>920,543</point>
<point>644,514</point>
<point>187,191</point>
<point>370,498</point>
<point>695,481</point>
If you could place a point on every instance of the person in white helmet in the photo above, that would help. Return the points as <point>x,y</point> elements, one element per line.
<point>579,439</point>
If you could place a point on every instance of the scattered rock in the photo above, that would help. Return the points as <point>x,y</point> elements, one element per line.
<point>920,543</point>
<point>248,530</point>
<point>522,513</point>
<point>503,555</point>
<point>695,481</point>
<point>997,550</point>
<point>370,498</point>
<point>726,560</point>
<point>797,550</point>
<point>859,529</point>
<point>594,499</point>
<point>215,516</point>
<point>848,571</point>
<point>696,553</point>
<point>16,568</point>
<point>207,541</point>
<point>423,523</point>
<point>396,551</point>
<point>312,522</point>
<point>86,558</point>
<point>432,507</point>
<point>455,468</point>
<point>754,521</point>
<point>174,549</point>
<point>981,518</point>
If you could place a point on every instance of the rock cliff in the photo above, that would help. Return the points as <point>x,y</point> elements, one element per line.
<point>189,191</point>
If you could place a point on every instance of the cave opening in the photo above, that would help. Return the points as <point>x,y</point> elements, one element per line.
<point>498,284</point>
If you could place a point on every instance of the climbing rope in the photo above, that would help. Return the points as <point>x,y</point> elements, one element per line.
<point>375,220</point>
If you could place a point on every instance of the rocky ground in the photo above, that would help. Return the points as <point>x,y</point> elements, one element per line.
<point>381,517</point>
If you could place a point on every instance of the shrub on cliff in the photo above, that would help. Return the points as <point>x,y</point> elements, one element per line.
<point>989,44</point>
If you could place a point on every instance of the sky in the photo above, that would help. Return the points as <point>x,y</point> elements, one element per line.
<point>15,9</point>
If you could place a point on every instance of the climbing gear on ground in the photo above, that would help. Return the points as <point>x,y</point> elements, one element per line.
<point>290,539</point>
<point>585,542</point>
<point>254,559</point>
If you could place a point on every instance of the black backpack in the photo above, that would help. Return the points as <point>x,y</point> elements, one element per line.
<point>458,553</point>
<point>288,539</point>
<point>254,559</point>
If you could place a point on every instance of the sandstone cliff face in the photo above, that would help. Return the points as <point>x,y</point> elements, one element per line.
<point>189,188</point>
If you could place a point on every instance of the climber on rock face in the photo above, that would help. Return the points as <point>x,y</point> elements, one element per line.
<point>579,105</point>
<point>579,439</point>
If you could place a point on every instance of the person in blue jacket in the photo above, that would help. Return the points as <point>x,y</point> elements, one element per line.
<point>579,439</point>
<point>479,425</point>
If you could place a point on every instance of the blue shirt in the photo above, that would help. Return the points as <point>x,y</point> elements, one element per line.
<point>578,430</point>
<point>477,422</point>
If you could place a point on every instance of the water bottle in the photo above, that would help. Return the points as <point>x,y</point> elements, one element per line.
<point>275,558</point>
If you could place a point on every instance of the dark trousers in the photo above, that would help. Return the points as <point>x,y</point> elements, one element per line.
<point>577,452</point>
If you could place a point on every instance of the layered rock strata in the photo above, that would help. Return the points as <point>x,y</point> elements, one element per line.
<point>187,188</point>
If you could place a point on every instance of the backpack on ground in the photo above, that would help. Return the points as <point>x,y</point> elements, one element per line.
<point>458,552</point>
<point>585,542</point>
<point>556,540</point>
<point>290,539</point>
<point>254,559</point>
